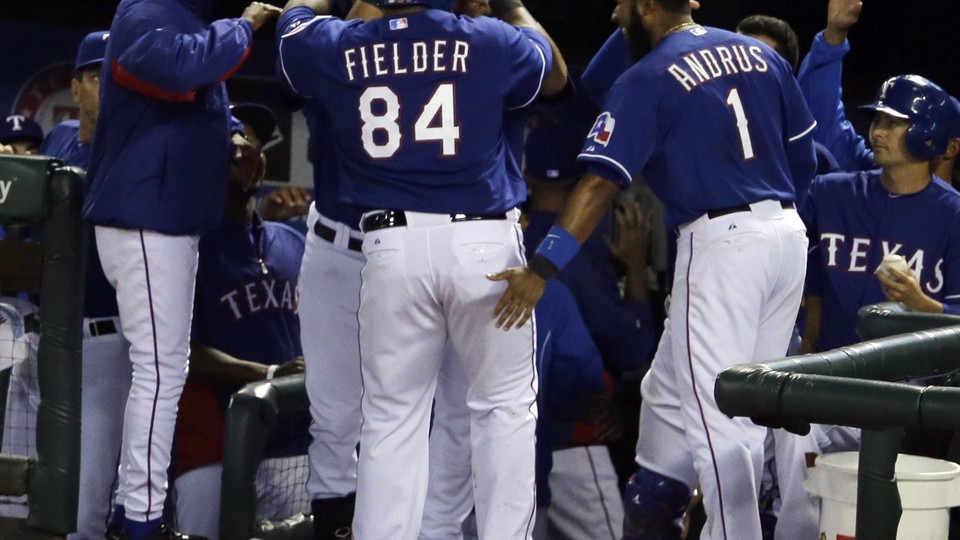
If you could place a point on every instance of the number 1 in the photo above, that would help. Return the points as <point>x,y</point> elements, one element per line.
<point>733,99</point>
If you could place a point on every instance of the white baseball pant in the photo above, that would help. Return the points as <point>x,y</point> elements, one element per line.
<point>736,293</point>
<point>154,275</point>
<point>423,284</point>
<point>329,297</point>
<point>585,497</point>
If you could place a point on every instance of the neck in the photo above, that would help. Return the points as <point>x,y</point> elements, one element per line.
<point>670,24</point>
<point>906,178</point>
<point>240,209</point>
<point>87,125</point>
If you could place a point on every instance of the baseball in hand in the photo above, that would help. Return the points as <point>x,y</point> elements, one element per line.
<point>893,261</point>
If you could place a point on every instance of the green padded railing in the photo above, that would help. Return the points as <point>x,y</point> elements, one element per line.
<point>852,386</point>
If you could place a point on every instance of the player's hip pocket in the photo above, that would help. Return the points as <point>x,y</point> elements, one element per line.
<point>383,248</point>
<point>482,243</point>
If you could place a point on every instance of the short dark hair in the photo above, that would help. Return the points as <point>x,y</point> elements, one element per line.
<point>776,29</point>
<point>675,6</point>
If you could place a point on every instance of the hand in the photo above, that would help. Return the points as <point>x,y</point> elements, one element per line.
<point>259,13</point>
<point>524,289</point>
<point>631,244</point>
<point>841,16</point>
<point>6,149</point>
<point>607,417</point>
<point>284,203</point>
<point>293,367</point>
<point>472,8</point>
<point>903,287</point>
<point>247,165</point>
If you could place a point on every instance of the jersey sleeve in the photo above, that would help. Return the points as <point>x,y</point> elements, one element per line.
<point>799,126</point>
<point>301,35</point>
<point>162,62</point>
<point>530,60</point>
<point>610,62</point>
<point>820,81</point>
<point>813,282</point>
<point>623,137</point>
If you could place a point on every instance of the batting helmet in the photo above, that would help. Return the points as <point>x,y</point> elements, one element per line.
<point>445,5</point>
<point>926,105</point>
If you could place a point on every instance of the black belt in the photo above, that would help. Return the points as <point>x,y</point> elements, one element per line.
<point>102,327</point>
<point>396,218</point>
<point>714,214</point>
<point>330,235</point>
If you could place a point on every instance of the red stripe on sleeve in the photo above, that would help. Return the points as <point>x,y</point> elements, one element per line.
<point>246,54</point>
<point>136,84</point>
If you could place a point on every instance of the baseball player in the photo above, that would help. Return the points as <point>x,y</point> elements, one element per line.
<point>106,372</point>
<point>441,161</point>
<point>158,172</point>
<point>22,134</point>
<point>856,218</point>
<point>820,79</point>
<point>722,136</point>
<point>245,329</point>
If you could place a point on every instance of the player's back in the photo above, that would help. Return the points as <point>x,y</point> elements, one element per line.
<point>723,108</point>
<point>417,104</point>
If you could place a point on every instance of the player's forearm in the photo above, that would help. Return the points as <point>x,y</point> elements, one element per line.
<point>813,315</point>
<point>364,10</point>
<point>514,13</point>
<point>320,7</point>
<point>217,367</point>
<point>588,203</point>
<point>635,285</point>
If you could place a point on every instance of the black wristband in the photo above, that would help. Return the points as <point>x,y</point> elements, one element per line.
<point>499,7</point>
<point>542,267</point>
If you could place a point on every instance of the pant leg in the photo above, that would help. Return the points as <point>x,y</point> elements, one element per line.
<point>450,488</point>
<point>402,334</point>
<point>586,500</point>
<point>738,286</point>
<point>106,385</point>
<point>329,298</point>
<point>197,496</point>
<point>501,370</point>
<point>154,276</point>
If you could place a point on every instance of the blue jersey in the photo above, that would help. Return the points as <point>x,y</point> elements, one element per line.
<point>411,101</point>
<point>759,141</point>
<point>62,142</point>
<point>570,372</point>
<point>622,330</point>
<point>161,152</point>
<point>605,67</point>
<point>326,168</point>
<point>853,222</point>
<point>246,304</point>
<point>820,81</point>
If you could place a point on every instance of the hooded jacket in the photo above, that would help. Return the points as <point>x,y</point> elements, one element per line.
<point>161,153</point>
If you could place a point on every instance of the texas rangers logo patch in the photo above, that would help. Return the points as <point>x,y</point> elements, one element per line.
<point>603,129</point>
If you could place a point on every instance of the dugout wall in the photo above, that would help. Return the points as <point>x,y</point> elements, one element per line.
<point>37,192</point>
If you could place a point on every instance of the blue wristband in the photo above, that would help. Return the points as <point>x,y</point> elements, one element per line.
<point>558,247</point>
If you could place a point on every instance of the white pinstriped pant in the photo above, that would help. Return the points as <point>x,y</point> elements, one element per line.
<point>154,275</point>
<point>423,284</point>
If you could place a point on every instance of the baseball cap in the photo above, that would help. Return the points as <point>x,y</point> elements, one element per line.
<point>92,50</point>
<point>551,151</point>
<point>17,127</point>
<point>261,118</point>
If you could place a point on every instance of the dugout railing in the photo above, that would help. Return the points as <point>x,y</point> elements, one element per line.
<point>852,386</point>
<point>38,193</point>
<point>253,413</point>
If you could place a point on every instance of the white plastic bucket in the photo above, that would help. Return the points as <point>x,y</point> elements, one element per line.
<point>928,488</point>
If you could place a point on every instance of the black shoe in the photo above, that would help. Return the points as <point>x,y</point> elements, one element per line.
<point>112,532</point>
<point>165,533</point>
<point>332,518</point>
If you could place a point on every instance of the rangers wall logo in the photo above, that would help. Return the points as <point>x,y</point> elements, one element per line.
<point>603,129</point>
<point>46,97</point>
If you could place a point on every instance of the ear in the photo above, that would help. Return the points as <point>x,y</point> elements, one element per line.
<point>646,7</point>
<point>953,148</point>
<point>75,89</point>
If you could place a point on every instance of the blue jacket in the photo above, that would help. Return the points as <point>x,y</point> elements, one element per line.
<point>161,153</point>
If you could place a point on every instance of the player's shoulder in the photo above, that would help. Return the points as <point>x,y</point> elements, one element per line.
<point>283,232</point>
<point>65,128</point>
